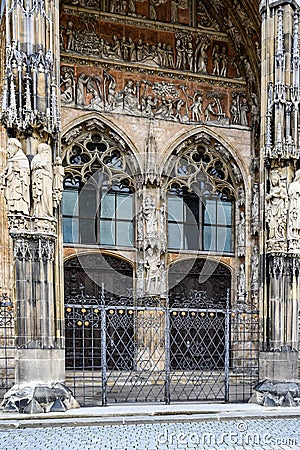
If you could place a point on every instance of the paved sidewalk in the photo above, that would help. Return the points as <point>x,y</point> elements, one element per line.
<point>155,427</point>
<point>147,413</point>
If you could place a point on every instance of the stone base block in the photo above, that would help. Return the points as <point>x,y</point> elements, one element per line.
<point>268,393</point>
<point>39,366</point>
<point>38,398</point>
<point>278,366</point>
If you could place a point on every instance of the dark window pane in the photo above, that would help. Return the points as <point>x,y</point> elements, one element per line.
<point>191,209</point>
<point>107,232</point>
<point>87,231</point>
<point>124,206</point>
<point>224,213</point>
<point>210,211</point>
<point>108,205</point>
<point>191,237</point>
<point>174,235</point>
<point>87,203</point>
<point>209,238</point>
<point>175,209</point>
<point>70,230</point>
<point>69,203</point>
<point>124,234</point>
<point>224,239</point>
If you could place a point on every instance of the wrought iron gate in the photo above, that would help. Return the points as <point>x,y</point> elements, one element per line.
<point>124,350</point>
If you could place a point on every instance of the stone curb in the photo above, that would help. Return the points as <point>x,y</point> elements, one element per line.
<point>52,420</point>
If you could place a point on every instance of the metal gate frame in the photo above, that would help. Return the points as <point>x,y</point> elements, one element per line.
<point>107,373</point>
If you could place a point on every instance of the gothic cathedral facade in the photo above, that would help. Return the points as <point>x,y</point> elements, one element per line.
<point>150,193</point>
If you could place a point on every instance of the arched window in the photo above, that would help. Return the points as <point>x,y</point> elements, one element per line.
<point>200,202</point>
<point>97,214</point>
<point>98,192</point>
<point>199,223</point>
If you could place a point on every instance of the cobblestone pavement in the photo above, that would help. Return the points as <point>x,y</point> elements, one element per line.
<point>255,434</point>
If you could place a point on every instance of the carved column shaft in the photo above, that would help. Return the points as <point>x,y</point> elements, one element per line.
<point>279,160</point>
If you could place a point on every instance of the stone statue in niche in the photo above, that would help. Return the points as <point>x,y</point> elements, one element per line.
<point>241,235</point>
<point>255,209</point>
<point>234,112</point>
<point>151,223</point>
<point>294,208</point>
<point>242,283</point>
<point>244,112</point>
<point>67,87</point>
<point>254,113</point>
<point>70,33</point>
<point>58,179</point>
<point>152,266</point>
<point>241,196</point>
<point>216,60</point>
<point>254,269</point>
<point>223,62</point>
<point>276,214</point>
<point>80,89</point>
<point>42,182</point>
<point>15,180</point>
<point>196,107</point>
<point>201,55</point>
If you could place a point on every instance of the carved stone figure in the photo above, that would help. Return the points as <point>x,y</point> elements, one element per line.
<point>223,62</point>
<point>244,112</point>
<point>58,179</point>
<point>234,112</point>
<point>254,269</point>
<point>241,235</point>
<point>216,60</point>
<point>254,113</point>
<point>241,283</point>
<point>276,214</point>
<point>255,209</point>
<point>42,179</point>
<point>201,55</point>
<point>294,208</point>
<point>15,180</point>
<point>241,196</point>
<point>152,266</point>
<point>70,36</point>
<point>196,107</point>
<point>151,223</point>
<point>67,88</point>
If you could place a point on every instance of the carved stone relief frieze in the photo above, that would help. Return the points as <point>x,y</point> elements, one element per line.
<point>174,11</point>
<point>193,51</point>
<point>108,91</point>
